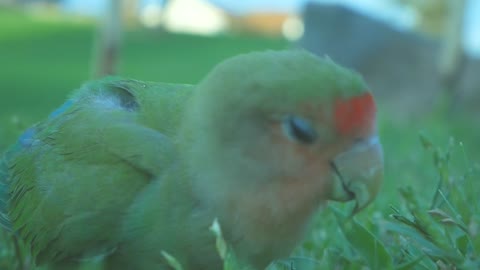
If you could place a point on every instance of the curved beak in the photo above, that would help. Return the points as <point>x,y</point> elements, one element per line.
<point>358,173</point>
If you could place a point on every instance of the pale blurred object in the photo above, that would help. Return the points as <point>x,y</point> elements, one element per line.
<point>193,16</point>
<point>150,15</point>
<point>293,28</point>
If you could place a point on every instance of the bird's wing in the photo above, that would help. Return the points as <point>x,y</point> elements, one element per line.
<point>68,180</point>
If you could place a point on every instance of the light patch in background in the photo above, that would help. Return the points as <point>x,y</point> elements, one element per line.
<point>293,28</point>
<point>151,15</point>
<point>243,7</point>
<point>194,16</point>
<point>472,28</point>
<point>85,7</point>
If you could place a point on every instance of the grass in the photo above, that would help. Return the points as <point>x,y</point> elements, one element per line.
<point>427,215</point>
<point>44,60</point>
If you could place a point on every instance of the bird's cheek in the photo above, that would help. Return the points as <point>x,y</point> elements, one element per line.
<point>304,168</point>
<point>315,175</point>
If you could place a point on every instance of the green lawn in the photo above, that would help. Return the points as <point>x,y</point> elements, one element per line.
<point>42,61</point>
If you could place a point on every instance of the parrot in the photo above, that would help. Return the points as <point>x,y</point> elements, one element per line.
<point>126,170</point>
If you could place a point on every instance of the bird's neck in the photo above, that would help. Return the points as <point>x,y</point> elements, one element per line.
<point>263,222</point>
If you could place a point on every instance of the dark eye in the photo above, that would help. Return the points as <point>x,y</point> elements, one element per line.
<point>299,129</point>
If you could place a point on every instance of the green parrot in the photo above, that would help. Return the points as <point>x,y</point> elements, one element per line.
<point>125,169</point>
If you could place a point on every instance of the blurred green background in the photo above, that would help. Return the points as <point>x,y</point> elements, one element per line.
<point>44,57</point>
<point>46,53</point>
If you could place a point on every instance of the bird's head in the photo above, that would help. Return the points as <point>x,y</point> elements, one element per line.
<point>286,122</point>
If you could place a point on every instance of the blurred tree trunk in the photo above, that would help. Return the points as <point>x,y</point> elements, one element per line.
<point>452,56</point>
<point>130,10</point>
<point>108,40</point>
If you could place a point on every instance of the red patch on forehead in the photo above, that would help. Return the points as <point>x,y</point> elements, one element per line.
<point>354,113</point>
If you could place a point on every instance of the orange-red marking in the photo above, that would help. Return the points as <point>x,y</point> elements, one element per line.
<point>354,113</point>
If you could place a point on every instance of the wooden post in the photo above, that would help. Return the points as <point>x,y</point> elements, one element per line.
<point>108,40</point>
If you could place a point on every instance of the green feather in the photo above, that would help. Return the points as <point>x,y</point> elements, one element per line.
<point>69,189</point>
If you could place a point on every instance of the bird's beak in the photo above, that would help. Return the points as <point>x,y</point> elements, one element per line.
<point>358,173</point>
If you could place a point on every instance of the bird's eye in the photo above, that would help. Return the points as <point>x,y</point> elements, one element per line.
<point>299,129</point>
